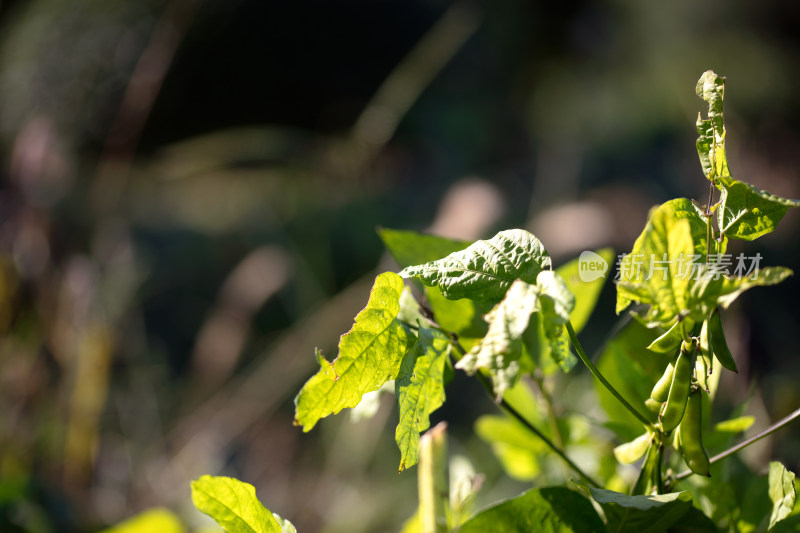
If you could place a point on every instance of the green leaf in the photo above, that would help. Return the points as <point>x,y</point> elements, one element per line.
<point>233,504</point>
<point>746,212</point>
<point>486,269</point>
<point>420,391</point>
<point>501,348</point>
<point>286,526</point>
<point>732,287</point>
<point>711,142</point>
<point>585,292</point>
<point>158,519</point>
<point>412,248</point>
<point>659,269</point>
<point>781,492</point>
<point>548,510</point>
<point>642,514</point>
<point>694,521</point>
<point>369,355</point>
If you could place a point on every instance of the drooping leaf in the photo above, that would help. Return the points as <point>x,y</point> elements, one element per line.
<point>711,140</point>
<point>734,286</point>
<point>413,248</point>
<point>486,269</point>
<point>659,269</point>
<point>369,355</point>
<point>781,492</point>
<point>555,305</point>
<point>746,212</point>
<point>158,519</point>
<point>548,510</point>
<point>642,514</point>
<point>420,391</point>
<point>233,504</point>
<point>501,348</point>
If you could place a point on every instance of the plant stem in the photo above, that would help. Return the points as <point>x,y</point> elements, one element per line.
<point>596,373</point>
<point>747,442</point>
<point>522,420</point>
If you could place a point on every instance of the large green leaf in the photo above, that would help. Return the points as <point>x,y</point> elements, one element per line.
<point>159,519</point>
<point>659,269</point>
<point>501,348</point>
<point>486,269</point>
<point>746,212</point>
<point>548,510</point>
<point>781,492</point>
<point>586,292</point>
<point>515,446</point>
<point>369,355</point>
<point>233,504</point>
<point>420,391</point>
<point>641,514</point>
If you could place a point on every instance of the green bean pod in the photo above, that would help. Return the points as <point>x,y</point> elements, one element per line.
<point>678,392</point>
<point>690,436</point>
<point>661,389</point>
<point>716,338</point>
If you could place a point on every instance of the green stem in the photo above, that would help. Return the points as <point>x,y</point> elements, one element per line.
<point>747,442</point>
<point>596,373</point>
<point>550,444</point>
<point>522,420</point>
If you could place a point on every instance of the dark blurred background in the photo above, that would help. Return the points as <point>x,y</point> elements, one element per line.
<point>190,192</point>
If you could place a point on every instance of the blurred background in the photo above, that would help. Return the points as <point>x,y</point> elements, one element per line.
<point>189,202</point>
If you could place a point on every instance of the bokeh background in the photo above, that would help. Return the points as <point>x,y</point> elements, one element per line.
<point>190,193</point>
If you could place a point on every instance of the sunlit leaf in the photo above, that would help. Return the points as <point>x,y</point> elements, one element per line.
<point>514,445</point>
<point>549,510</point>
<point>233,504</point>
<point>420,391</point>
<point>161,520</point>
<point>369,355</point>
<point>659,269</point>
<point>711,140</point>
<point>501,348</point>
<point>746,212</point>
<point>781,492</point>
<point>735,425</point>
<point>486,269</point>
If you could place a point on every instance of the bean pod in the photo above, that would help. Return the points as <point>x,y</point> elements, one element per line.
<point>678,392</point>
<point>690,436</point>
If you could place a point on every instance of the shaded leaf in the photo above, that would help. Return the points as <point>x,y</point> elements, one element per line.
<point>369,355</point>
<point>781,492</point>
<point>641,514</point>
<point>420,391</point>
<point>413,248</point>
<point>486,269</point>
<point>514,445</point>
<point>548,510</point>
<point>233,504</point>
<point>732,287</point>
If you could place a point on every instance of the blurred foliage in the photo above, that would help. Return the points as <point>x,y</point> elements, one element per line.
<point>190,192</point>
